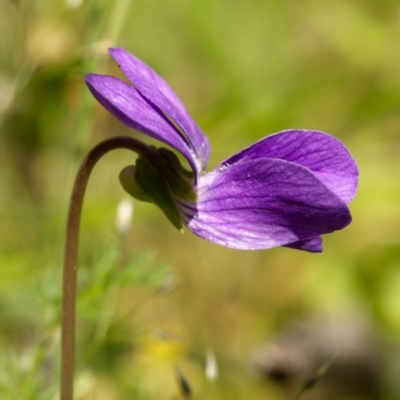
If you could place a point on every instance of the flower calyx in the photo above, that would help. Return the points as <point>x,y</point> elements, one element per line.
<point>160,179</point>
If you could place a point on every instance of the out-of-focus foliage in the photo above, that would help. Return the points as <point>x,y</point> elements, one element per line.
<point>244,69</point>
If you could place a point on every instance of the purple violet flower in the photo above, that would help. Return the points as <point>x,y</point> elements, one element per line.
<point>285,190</point>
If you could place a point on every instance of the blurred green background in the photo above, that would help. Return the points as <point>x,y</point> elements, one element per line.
<point>153,301</point>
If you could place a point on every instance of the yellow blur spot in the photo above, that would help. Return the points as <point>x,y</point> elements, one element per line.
<point>162,346</point>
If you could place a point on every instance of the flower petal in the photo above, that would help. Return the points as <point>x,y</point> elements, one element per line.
<point>323,154</point>
<point>263,203</point>
<point>157,91</point>
<point>313,245</point>
<point>129,107</point>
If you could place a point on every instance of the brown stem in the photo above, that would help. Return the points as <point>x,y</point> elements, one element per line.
<point>71,252</point>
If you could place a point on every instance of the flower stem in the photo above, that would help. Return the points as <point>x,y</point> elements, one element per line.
<point>72,248</point>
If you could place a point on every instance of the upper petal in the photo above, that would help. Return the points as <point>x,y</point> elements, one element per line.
<point>263,203</point>
<point>133,110</point>
<point>323,154</point>
<point>157,91</point>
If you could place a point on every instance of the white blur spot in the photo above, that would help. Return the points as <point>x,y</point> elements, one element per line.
<point>74,4</point>
<point>124,216</point>
<point>211,366</point>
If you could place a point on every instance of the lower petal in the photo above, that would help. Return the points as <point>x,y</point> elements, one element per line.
<point>263,203</point>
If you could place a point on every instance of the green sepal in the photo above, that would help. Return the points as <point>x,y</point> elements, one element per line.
<point>175,163</point>
<point>128,182</point>
<point>153,183</point>
<point>178,178</point>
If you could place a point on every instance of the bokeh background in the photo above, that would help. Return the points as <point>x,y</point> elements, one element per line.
<point>153,303</point>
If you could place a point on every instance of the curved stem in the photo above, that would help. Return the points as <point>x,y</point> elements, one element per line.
<point>71,252</point>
